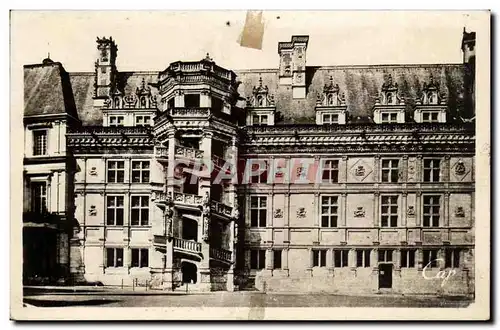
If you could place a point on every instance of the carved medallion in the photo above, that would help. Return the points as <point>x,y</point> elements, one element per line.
<point>278,213</point>
<point>360,212</point>
<point>411,211</point>
<point>360,170</point>
<point>459,212</point>
<point>301,213</point>
<point>93,211</point>
<point>93,171</point>
<point>460,168</point>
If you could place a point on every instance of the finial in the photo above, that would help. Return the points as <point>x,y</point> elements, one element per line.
<point>260,81</point>
<point>143,84</point>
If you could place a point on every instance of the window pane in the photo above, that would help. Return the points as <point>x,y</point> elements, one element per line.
<point>135,258</point>
<point>144,258</point>
<point>134,215</point>
<point>253,259</point>
<point>119,217</point>
<point>262,259</point>
<point>110,261</point>
<point>277,259</point>
<point>262,219</point>
<point>144,217</point>
<point>119,257</point>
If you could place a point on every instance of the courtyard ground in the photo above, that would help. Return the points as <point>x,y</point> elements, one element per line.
<point>139,297</point>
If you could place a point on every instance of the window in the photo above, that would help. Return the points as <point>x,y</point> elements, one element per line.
<point>39,143</point>
<point>140,171</point>
<point>319,258</point>
<point>330,171</point>
<point>390,170</point>
<point>262,177</point>
<point>363,258</point>
<point>114,257</point>
<point>39,197</point>
<point>329,209</point>
<point>139,211</point>
<point>430,258</point>
<point>431,170</point>
<point>116,120</point>
<point>431,211</point>
<point>114,211</point>
<point>341,258</point>
<point>452,258</point>
<point>140,258</point>
<point>192,100</point>
<point>389,118</point>
<point>258,211</point>
<point>330,118</point>
<point>171,103</point>
<point>277,259</point>
<point>143,121</point>
<point>385,255</point>
<point>259,120</point>
<point>116,171</point>
<point>430,117</point>
<point>407,258</point>
<point>257,259</point>
<point>389,212</point>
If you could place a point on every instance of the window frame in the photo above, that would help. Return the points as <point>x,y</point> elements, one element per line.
<point>140,257</point>
<point>140,120</point>
<point>115,209</point>
<point>429,258</point>
<point>330,167</point>
<point>141,170</point>
<point>333,118</point>
<point>389,215</point>
<point>262,177</point>
<point>365,258</point>
<point>431,170</point>
<point>260,211</point>
<point>43,197</point>
<point>333,211</point>
<point>392,171</point>
<point>389,119</point>
<point>260,119</point>
<point>431,219</point>
<point>38,133</point>
<point>115,170</point>
<point>452,257</point>
<point>405,258</point>
<point>280,254</point>
<point>115,259</point>
<point>120,121</point>
<point>139,208</point>
<point>343,261</point>
<point>259,255</point>
<point>319,257</point>
<point>385,255</point>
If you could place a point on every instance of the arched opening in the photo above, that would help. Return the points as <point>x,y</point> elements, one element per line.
<point>189,229</point>
<point>189,273</point>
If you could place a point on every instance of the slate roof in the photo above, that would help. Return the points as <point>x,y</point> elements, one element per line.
<point>49,89</point>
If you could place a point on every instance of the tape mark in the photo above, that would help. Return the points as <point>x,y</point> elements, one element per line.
<point>253,31</point>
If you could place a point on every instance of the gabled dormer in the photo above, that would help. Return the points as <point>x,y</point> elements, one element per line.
<point>331,107</point>
<point>130,109</point>
<point>389,106</point>
<point>431,106</point>
<point>260,106</point>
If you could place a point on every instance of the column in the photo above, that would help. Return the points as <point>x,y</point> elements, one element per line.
<point>376,170</point>
<point>419,259</point>
<point>404,207</point>
<point>376,209</point>
<point>343,209</point>
<point>418,209</point>
<point>446,209</point>
<point>404,169</point>
<point>343,170</point>
<point>329,261</point>
<point>352,259</point>
<point>230,272</point>
<point>179,99</point>
<point>205,99</point>
<point>310,266</point>
<point>172,143</point>
<point>269,259</point>
<point>270,217</point>
<point>374,259</point>
<point>204,190</point>
<point>446,169</point>
<point>420,169</point>
<point>284,259</point>
<point>168,274</point>
<point>286,215</point>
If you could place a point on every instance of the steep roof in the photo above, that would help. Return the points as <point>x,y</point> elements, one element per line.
<point>47,90</point>
<point>361,85</point>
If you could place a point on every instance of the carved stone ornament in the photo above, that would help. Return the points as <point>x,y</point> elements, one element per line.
<point>93,171</point>
<point>359,213</point>
<point>459,212</point>
<point>93,211</point>
<point>359,171</point>
<point>301,213</point>
<point>411,211</point>
<point>278,213</point>
<point>460,168</point>
<point>235,213</point>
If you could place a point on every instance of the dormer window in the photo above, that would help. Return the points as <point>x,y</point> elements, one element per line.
<point>431,106</point>
<point>143,121</point>
<point>389,107</point>
<point>143,102</point>
<point>116,121</point>
<point>260,106</point>
<point>331,107</point>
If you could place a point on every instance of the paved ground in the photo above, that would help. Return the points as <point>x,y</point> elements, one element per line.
<point>126,298</point>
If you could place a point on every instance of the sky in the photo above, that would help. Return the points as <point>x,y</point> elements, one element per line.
<point>149,41</point>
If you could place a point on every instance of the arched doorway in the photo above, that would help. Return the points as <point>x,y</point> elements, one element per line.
<point>189,272</point>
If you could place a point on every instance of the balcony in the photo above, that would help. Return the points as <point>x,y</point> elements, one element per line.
<point>221,255</point>
<point>189,112</point>
<point>187,246</point>
<point>161,153</point>
<point>160,197</point>
<point>187,199</point>
<point>221,209</point>
<point>188,153</point>
<point>47,220</point>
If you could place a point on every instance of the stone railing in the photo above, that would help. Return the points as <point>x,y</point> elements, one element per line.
<point>221,208</point>
<point>185,245</point>
<point>113,130</point>
<point>190,112</point>
<point>159,196</point>
<point>161,151</point>
<point>189,153</point>
<point>221,254</point>
<point>189,199</point>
